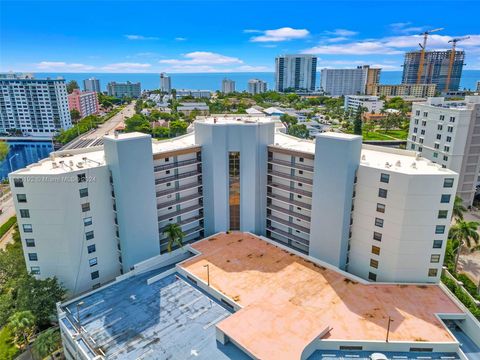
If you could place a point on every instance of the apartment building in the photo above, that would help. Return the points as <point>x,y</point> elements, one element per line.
<point>404,90</point>
<point>165,83</point>
<point>358,81</point>
<point>92,84</point>
<point>202,94</point>
<point>372,104</point>
<point>35,107</point>
<point>86,102</point>
<point>295,72</point>
<point>478,85</point>
<point>256,86</point>
<point>88,215</point>
<point>121,90</point>
<point>448,133</point>
<point>228,86</point>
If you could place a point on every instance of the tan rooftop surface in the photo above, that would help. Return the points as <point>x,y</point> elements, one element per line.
<point>288,301</point>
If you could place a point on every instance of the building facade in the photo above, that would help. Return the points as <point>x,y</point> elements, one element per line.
<point>200,94</point>
<point>448,133</point>
<point>256,86</point>
<point>358,81</point>
<point>478,85</point>
<point>295,73</point>
<point>121,90</point>
<point>34,107</point>
<point>86,102</point>
<point>92,84</point>
<point>228,86</point>
<point>79,219</point>
<point>403,90</point>
<point>372,104</point>
<point>435,69</point>
<point>165,83</point>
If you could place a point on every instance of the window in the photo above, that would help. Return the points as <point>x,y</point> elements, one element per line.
<point>432,272</point>
<point>32,257</point>
<point>94,275</point>
<point>83,192</point>
<point>35,270</point>
<point>412,146</point>
<point>30,242</point>
<point>234,190</point>
<point>445,158</point>
<point>91,248</point>
<point>374,263</point>
<point>435,258</point>
<point>445,199</point>
<point>89,235</point>
<point>27,228</point>
<point>415,130</point>
<point>385,178</point>
<point>440,229</point>
<point>375,250</point>
<point>417,112</point>
<point>437,244</point>
<point>381,208</point>
<point>18,182</point>
<point>416,121</point>
<point>448,182</point>
<point>300,159</point>
<point>81,178</point>
<point>452,118</point>
<point>425,114</point>
<point>422,132</point>
<point>21,198</point>
<point>449,138</point>
<point>382,193</point>
<point>378,222</point>
<point>24,213</point>
<point>377,236</point>
<point>442,214</point>
<point>86,207</point>
<point>435,155</point>
<point>436,146</point>
<point>442,117</point>
<point>439,136</point>
<point>167,159</point>
<point>93,262</point>
<point>372,276</point>
<point>440,127</point>
<point>87,221</point>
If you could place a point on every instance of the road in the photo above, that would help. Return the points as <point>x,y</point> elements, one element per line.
<point>8,210</point>
<point>95,137</point>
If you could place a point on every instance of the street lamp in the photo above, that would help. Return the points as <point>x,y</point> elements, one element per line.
<point>10,160</point>
<point>208,274</point>
<point>79,304</point>
<point>390,320</point>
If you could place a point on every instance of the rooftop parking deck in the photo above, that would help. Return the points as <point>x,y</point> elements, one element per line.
<point>289,301</point>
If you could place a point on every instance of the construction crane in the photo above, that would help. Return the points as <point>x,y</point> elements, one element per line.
<point>452,59</point>
<point>422,53</point>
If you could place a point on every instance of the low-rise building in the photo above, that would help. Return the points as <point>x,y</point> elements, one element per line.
<point>85,102</point>
<point>402,90</point>
<point>187,108</point>
<point>122,90</point>
<point>203,94</point>
<point>372,104</point>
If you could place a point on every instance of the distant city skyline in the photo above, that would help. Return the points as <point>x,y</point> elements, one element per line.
<point>214,36</point>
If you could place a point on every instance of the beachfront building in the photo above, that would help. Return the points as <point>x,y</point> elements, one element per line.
<point>406,90</point>
<point>165,83</point>
<point>124,90</point>
<point>85,102</point>
<point>295,72</point>
<point>448,133</point>
<point>33,107</point>
<point>228,86</point>
<point>256,86</point>
<point>359,81</point>
<point>92,84</point>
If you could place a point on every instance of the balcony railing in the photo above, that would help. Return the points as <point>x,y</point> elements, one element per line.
<point>183,222</point>
<point>175,164</point>
<point>288,224</point>
<point>177,177</point>
<point>288,212</point>
<point>290,201</point>
<point>185,233</point>
<point>288,235</point>
<point>290,189</point>
<point>291,177</point>
<point>180,212</point>
<point>179,201</point>
<point>174,190</point>
<point>296,165</point>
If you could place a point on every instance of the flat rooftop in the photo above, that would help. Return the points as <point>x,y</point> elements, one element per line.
<point>288,301</point>
<point>234,119</point>
<point>293,143</point>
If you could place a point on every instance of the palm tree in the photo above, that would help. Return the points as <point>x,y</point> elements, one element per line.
<point>47,342</point>
<point>175,236</point>
<point>458,208</point>
<point>22,325</point>
<point>465,232</point>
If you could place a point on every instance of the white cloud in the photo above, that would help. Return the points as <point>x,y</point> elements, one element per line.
<point>252,31</point>
<point>336,39</point>
<point>180,38</point>
<point>342,32</point>
<point>61,66</point>
<point>282,34</point>
<point>202,58</point>
<point>355,48</point>
<point>140,37</point>
<point>126,67</point>
<point>406,28</point>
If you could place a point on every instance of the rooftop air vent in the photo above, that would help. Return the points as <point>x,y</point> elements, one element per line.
<point>398,164</point>
<point>414,165</point>
<point>364,157</point>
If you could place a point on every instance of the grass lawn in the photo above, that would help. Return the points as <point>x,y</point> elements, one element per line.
<point>8,350</point>
<point>375,136</point>
<point>399,134</point>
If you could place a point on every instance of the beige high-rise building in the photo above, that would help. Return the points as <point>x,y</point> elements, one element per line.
<point>373,79</point>
<point>414,90</point>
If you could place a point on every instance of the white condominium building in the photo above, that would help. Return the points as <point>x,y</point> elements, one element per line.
<point>448,133</point>
<point>372,104</point>
<point>359,81</point>
<point>88,215</point>
<point>256,86</point>
<point>36,107</point>
<point>165,83</point>
<point>295,72</point>
<point>92,84</point>
<point>228,86</point>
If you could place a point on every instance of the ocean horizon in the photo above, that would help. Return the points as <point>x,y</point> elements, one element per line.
<point>213,81</point>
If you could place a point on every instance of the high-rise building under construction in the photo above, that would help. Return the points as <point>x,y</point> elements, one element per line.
<point>435,69</point>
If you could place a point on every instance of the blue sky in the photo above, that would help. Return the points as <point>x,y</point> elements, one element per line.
<point>224,36</point>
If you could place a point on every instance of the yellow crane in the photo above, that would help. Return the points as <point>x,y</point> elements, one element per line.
<point>422,53</point>
<point>452,60</point>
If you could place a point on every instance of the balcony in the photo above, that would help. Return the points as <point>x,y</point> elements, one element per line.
<point>183,222</point>
<point>289,164</point>
<point>289,236</point>
<point>290,201</point>
<point>186,232</point>
<point>175,164</point>
<point>179,201</point>
<point>174,190</point>
<point>291,177</point>
<point>180,212</point>
<point>288,212</point>
<point>177,177</point>
<point>288,224</point>
<point>290,189</point>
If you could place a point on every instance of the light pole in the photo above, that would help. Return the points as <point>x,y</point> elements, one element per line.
<point>390,320</point>
<point>79,304</point>
<point>208,274</point>
<point>10,160</point>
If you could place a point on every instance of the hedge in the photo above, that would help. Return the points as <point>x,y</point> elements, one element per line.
<point>7,225</point>
<point>458,292</point>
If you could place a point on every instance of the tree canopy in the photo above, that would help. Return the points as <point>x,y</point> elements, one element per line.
<point>72,85</point>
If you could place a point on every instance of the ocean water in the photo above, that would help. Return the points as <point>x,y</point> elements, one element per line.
<point>213,81</point>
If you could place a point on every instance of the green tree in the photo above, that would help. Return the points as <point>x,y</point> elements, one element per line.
<point>178,127</point>
<point>458,208</point>
<point>137,123</point>
<point>391,121</point>
<point>72,85</point>
<point>465,232</point>
<point>298,130</point>
<point>160,132</point>
<point>288,120</point>
<point>22,326</point>
<point>75,115</point>
<point>139,106</point>
<point>4,148</point>
<point>357,122</point>
<point>47,342</point>
<point>175,236</point>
